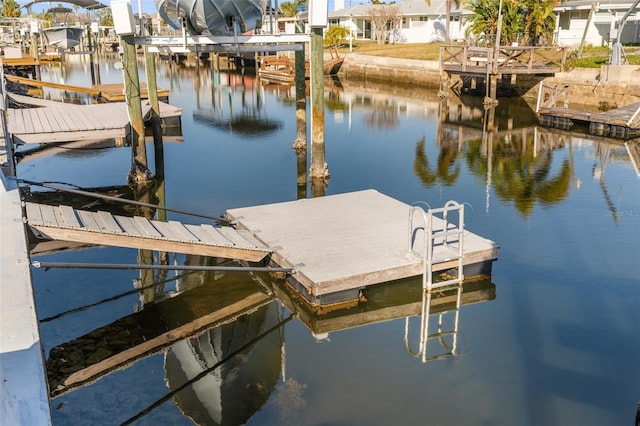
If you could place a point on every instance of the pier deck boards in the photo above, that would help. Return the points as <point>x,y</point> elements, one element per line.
<point>110,92</point>
<point>101,228</point>
<point>60,122</point>
<point>342,243</point>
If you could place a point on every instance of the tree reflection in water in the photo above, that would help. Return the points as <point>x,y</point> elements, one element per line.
<point>522,173</point>
<point>447,170</point>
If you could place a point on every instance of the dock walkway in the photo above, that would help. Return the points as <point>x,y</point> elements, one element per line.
<point>102,228</point>
<point>342,243</point>
<point>50,121</point>
<point>109,92</point>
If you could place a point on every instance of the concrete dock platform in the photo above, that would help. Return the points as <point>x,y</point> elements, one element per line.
<point>342,243</point>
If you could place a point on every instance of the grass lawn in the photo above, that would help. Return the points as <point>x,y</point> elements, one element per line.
<point>592,57</point>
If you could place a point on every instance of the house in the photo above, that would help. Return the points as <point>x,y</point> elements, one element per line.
<point>586,22</point>
<point>595,23</point>
<point>419,22</point>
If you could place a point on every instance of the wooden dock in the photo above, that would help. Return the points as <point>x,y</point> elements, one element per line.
<point>621,123</point>
<point>60,122</point>
<point>279,68</point>
<point>342,243</point>
<point>102,228</point>
<point>490,64</point>
<point>108,92</point>
<point>483,61</point>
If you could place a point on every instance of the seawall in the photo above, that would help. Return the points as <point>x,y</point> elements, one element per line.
<point>604,88</point>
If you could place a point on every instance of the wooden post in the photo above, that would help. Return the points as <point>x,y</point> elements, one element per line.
<point>301,103</point>
<point>301,181</point>
<point>319,169</point>
<point>152,95</point>
<point>139,169</point>
<point>34,47</point>
<point>35,55</point>
<point>89,42</point>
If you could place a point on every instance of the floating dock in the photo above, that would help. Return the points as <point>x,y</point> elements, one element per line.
<point>340,244</point>
<point>620,123</point>
<point>336,245</point>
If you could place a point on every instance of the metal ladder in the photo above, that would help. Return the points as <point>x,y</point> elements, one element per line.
<point>445,237</point>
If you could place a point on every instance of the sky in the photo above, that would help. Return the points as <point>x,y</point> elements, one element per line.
<point>149,6</point>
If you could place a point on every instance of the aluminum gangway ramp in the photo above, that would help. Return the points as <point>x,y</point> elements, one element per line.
<point>102,228</point>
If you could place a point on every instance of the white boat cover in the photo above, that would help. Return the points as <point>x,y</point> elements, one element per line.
<point>215,17</point>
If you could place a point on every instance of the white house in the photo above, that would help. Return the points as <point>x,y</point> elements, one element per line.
<point>587,22</point>
<point>596,22</point>
<point>420,22</point>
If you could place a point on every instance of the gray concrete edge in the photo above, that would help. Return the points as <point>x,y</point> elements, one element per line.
<point>24,394</point>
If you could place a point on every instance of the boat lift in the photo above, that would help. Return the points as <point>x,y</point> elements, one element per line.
<point>617,54</point>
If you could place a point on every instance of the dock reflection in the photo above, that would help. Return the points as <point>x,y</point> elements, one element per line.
<point>403,299</point>
<point>213,299</point>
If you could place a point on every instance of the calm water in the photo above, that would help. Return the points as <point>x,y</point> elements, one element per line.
<point>552,338</point>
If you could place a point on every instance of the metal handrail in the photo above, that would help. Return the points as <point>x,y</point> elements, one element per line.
<point>429,237</point>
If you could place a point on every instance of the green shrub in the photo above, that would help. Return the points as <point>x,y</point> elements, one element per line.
<point>335,36</point>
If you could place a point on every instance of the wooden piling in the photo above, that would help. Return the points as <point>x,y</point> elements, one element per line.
<point>139,169</point>
<point>91,65</point>
<point>152,95</point>
<point>301,102</point>
<point>319,169</point>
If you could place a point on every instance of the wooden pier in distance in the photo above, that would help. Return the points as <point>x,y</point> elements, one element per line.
<point>492,63</point>
<point>621,123</point>
<point>340,244</point>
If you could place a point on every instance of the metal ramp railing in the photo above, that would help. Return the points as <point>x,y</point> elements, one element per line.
<point>442,241</point>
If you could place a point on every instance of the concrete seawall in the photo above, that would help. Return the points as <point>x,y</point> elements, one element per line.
<point>24,394</point>
<point>607,87</point>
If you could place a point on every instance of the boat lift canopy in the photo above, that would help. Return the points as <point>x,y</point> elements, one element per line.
<point>85,4</point>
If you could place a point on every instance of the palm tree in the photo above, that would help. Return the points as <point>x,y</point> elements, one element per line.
<point>10,9</point>
<point>532,19</point>
<point>288,9</point>
<point>485,17</point>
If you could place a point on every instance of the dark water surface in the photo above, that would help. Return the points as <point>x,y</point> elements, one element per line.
<point>552,338</point>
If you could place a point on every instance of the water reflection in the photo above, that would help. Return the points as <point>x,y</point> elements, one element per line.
<point>438,311</point>
<point>221,360</point>
<point>221,337</point>
<point>447,169</point>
